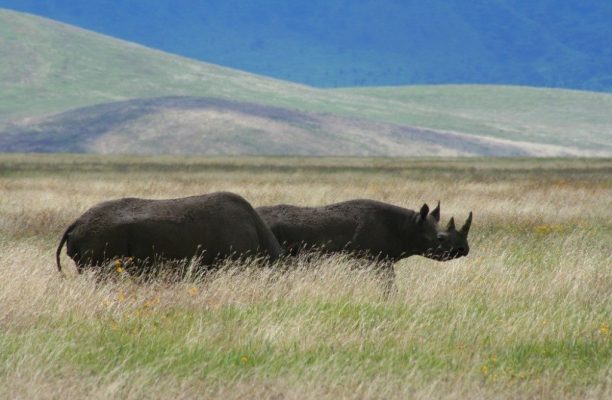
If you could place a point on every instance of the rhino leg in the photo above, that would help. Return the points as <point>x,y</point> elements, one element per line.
<point>386,274</point>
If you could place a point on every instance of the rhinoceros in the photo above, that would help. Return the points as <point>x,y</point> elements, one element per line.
<point>379,231</point>
<point>211,227</point>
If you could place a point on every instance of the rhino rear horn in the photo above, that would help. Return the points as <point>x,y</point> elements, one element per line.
<point>436,213</point>
<point>466,227</point>
<point>451,224</point>
<point>424,211</point>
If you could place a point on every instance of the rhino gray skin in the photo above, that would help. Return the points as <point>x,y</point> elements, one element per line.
<point>367,228</point>
<point>211,226</point>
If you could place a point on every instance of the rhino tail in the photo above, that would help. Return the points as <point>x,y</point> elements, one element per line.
<point>61,244</point>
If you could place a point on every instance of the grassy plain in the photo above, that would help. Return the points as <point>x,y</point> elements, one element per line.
<point>526,315</point>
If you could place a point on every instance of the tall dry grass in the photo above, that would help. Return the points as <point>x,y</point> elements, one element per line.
<point>526,315</point>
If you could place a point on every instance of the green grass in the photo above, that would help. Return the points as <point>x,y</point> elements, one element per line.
<point>160,341</point>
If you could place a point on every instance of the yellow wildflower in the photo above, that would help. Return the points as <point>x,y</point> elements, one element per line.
<point>193,291</point>
<point>114,325</point>
<point>119,266</point>
<point>545,229</point>
<point>485,370</point>
<point>604,329</point>
<point>151,302</point>
<point>244,359</point>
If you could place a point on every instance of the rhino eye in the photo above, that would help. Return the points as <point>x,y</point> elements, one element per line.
<point>441,238</point>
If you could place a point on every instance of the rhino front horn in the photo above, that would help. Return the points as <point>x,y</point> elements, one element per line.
<point>466,227</point>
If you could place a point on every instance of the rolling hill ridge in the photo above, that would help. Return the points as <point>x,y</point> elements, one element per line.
<point>58,84</point>
<point>333,43</point>
<point>212,126</point>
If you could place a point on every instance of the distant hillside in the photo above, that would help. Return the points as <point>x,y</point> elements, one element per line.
<point>198,125</point>
<point>48,67</point>
<point>573,119</point>
<point>50,73</point>
<point>327,43</point>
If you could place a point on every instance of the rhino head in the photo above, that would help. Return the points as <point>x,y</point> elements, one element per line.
<point>438,243</point>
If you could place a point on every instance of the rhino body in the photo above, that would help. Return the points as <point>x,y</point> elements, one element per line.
<point>211,226</point>
<point>367,228</point>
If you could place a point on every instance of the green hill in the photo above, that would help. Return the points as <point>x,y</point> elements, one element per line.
<point>573,119</point>
<point>340,43</point>
<point>49,67</point>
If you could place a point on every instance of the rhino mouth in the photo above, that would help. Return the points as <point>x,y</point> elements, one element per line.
<point>460,252</point>
<point>448,255</point>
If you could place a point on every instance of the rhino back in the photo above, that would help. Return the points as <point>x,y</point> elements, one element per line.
<point>212,225</point>
<point>358,225</point>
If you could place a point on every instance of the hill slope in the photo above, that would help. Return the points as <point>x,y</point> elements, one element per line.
<point>49,68</point>
<point>211,126</point>
<point>371,42</point>
<point>562,117</point>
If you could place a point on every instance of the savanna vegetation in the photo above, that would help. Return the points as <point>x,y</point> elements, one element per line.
<point>526,315</point>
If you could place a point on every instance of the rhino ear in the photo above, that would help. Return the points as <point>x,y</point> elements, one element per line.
<point>466,227</point>
<point>451,224</point>
<point>424,211</point>
<point>436,213</point>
